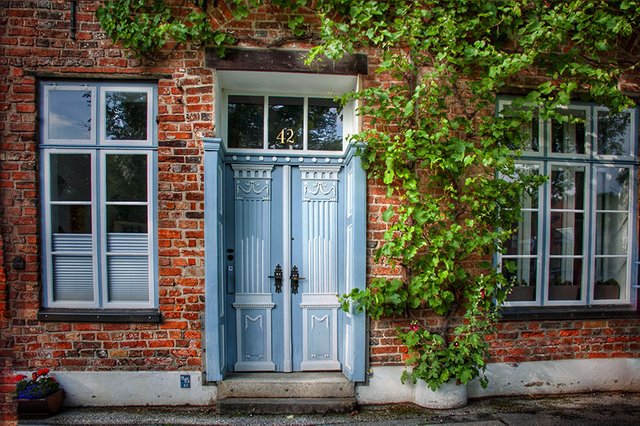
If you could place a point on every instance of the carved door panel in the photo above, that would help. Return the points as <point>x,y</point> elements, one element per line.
<point>287,267</point>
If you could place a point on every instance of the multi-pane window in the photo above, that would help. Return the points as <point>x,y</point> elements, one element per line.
<point>575,242</point>
<point>98,155</point>
<point>284,123</point>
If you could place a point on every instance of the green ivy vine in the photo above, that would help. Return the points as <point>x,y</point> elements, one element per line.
<point>435,140</point>
<point>147,26</point>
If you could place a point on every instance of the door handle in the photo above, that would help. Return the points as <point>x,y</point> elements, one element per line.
<point>295,278</point>
<point>277,277</point>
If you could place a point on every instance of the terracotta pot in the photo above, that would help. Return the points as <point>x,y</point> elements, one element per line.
<point>41,407</point>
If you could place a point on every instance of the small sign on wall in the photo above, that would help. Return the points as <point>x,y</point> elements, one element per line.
<point>185,381</point>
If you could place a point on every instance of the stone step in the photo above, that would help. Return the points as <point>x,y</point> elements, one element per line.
<point>285,385</point>
<point>226,406</point>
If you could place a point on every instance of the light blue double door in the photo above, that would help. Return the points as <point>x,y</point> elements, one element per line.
<point>289,236</point>
<point>285,235</point>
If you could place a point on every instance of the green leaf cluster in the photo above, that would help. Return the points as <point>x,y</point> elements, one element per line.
<point>446,154</point>
<point>146,26</point>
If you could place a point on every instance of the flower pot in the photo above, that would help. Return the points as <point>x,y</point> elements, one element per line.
<point>606,292</point>
<point>41,407</point>
<point>522,294</point>
<point>449,395</point>
<point>564,292</point>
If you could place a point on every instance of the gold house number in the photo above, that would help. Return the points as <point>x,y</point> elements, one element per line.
<point>286,136</point>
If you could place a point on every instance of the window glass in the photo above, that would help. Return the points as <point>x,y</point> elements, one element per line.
<point>613,133</point>
<point>612,232</point>
<point>565,278</point>
<point>521,251</point>
<point>126,177</point>
<point>612,188</point>
<point>566,242</point>
<point>70,177</point>
<point>245,122</point>
<point>69,114</point>
<point>126,116</point>
<point>523,274</point>
<point>128,219</point>
<point>70,188</point>
<point>285,122</point>
<point>567,187</point>
<point>569,137</point>
<point>325,125</point>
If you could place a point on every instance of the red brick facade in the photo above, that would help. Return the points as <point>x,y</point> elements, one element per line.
<point>35,42</point>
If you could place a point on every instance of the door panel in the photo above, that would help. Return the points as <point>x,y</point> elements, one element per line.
<point>253,302</point>
<point>319,302</point>
<point>286,216</point>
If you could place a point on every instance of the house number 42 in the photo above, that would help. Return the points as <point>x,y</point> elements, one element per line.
<point>286,136</point>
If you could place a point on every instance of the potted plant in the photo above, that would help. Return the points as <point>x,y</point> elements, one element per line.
<point>563,290</point>
<point>609,289</point>
<point>521,292</point>
<point>38,396</point>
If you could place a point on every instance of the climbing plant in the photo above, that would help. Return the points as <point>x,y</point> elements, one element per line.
<point>446,156</point>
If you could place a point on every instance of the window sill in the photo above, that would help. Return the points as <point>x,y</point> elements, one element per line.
<point>98,315</point>
<point>568,313</point>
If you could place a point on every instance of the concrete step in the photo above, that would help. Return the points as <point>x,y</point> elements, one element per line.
<point>285,385</point>
<point>227,406</point>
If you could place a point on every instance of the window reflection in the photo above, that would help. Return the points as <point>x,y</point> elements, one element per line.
<point>613,133</point>
<point>245,122</point>
<point>126,177</point>
<point>325,125</point>
<point>69,114</point>
<point>126,116</point>
<point>569,137</point>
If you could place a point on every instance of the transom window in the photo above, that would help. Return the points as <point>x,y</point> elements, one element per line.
<point>575,242</point>
<point>284,123</point>
<point>98,194</point>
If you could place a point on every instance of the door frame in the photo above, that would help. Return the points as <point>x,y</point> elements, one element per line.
<point>352,346</point>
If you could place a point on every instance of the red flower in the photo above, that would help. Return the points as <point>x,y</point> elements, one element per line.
<point>19,378</point>
<point>43,372</point>
<point>34,376</point>
<point>414,326</point>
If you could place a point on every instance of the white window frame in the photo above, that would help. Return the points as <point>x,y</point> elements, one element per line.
<point>591,162</point>
<point>98,148</point>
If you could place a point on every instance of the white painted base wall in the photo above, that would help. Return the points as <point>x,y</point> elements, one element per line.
<point>135,388</point>
<point>527,378</point>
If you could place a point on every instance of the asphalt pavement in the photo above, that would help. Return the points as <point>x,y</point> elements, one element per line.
<point>583,409</point>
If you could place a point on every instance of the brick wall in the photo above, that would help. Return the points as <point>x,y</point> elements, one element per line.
<point>35,40</point>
